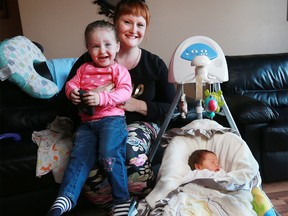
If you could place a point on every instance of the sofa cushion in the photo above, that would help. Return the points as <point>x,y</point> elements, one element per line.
<point>18,168</point>
<point>263,77</point>
<point>24,113</point>
<point>275,135</point>
<point>275,138</point>
<point>248,110</point>
<point>274,166</point>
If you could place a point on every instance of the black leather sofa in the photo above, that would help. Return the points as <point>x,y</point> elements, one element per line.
<point>22,193</point>
<point>257,96</point>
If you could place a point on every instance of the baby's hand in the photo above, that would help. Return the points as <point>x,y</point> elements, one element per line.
<point>75,96</point>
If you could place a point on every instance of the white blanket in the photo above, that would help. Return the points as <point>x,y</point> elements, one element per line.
<point>54,146</point>
<point>234,155</point>
<point>192,199</point>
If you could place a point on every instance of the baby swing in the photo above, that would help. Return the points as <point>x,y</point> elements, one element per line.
<point>200,60</point>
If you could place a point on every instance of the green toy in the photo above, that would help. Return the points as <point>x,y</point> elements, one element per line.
<point>213,103</point>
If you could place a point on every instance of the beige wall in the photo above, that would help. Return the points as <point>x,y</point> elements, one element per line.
<point>239,26</point>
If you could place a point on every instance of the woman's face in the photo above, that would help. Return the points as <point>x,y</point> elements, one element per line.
<point>130,30</point>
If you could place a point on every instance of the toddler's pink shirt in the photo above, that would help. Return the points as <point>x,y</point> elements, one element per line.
<point>89,77</point>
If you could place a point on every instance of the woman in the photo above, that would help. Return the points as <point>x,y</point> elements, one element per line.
<point>145,110</point>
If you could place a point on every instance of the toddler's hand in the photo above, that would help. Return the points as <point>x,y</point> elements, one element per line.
<point>75,96</point>
<point>91,98</point>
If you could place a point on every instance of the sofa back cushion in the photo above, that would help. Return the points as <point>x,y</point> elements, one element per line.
<point>263,77</point>
<point>20,112</point>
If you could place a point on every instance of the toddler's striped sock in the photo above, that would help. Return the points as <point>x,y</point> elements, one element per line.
<point>61,205</point>
<point>121,209</point>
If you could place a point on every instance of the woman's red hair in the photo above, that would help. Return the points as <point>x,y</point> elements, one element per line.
<point>134,7</point>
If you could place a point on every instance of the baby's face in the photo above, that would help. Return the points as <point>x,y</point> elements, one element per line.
<point>211,163</point>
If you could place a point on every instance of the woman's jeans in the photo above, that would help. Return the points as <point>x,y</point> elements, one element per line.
<point>103,141</point>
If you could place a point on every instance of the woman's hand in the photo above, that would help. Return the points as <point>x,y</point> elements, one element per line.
<point>107,87</point>
<point>135,105</point>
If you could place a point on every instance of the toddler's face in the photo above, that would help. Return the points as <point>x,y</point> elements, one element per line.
<point>210,162</point>
<point>102,46</point>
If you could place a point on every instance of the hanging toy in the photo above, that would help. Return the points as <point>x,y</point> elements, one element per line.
<point>183,106</point>
<point>212,103</point>
<point>211,106</point>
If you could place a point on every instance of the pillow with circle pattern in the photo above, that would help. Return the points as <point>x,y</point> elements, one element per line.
<point>17,56</point>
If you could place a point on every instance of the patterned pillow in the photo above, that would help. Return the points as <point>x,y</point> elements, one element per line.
<point>17,56</point>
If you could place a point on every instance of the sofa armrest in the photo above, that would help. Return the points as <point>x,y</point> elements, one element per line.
<point>247,110</point>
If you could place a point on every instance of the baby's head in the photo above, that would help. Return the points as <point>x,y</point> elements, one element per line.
<point>204,159</point>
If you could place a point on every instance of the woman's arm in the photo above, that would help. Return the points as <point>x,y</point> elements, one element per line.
<point>156,94</point>
<point>134,105</point>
